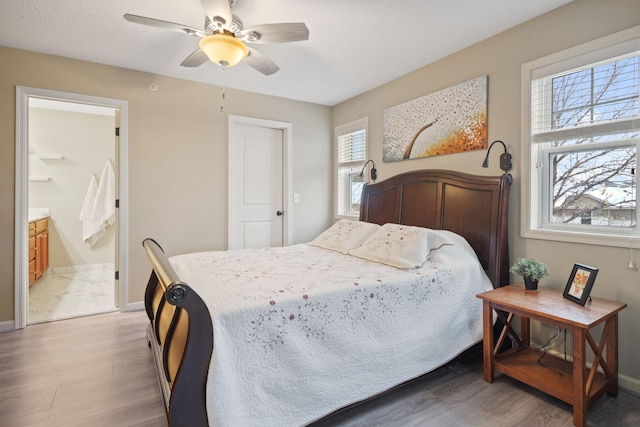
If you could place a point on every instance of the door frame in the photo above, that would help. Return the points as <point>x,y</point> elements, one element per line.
<point>234,170</point>
<point>21,274</point>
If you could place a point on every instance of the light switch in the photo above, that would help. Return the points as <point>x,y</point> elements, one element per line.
<point>296,197</point>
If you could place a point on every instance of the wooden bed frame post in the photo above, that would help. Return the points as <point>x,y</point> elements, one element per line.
<point>187,338</point>
<point>190,384</point>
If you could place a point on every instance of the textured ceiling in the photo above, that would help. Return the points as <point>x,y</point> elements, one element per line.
<point>354,45</point>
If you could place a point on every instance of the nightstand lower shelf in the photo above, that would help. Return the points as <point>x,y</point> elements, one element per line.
<point>549,374</point>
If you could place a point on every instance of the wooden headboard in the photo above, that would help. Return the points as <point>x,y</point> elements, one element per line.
<point>475,207</point>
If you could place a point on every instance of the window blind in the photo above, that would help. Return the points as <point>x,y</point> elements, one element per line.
<point>592,101</point>
<point>352,147</point>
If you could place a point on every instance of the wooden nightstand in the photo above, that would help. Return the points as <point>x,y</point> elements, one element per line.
<point>571,382</point>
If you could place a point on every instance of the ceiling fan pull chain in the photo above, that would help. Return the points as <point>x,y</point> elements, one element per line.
<point>223,96</point>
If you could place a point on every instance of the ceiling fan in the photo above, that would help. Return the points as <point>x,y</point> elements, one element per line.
<point>224,40</point>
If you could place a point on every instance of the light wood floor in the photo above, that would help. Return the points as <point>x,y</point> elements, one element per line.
<point>98,371</point>
<point>91,371</point>
<point>457,395</point>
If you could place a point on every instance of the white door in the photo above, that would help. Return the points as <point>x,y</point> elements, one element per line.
<point>257,214</point>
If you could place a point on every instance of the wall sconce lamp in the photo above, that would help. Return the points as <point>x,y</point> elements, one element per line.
<point>505,158</point>
<point>374,172</point>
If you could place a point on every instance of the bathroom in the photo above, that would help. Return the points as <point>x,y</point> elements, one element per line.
<point>72,150</point>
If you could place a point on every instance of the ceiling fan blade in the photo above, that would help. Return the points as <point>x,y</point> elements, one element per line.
<point>220,13</point>
<point>260,62</point>
<point>275,33</point>
<point>196,59</point>
<point>165,25</point>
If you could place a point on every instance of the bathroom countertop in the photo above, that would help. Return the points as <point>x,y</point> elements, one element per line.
<point>39,213</point>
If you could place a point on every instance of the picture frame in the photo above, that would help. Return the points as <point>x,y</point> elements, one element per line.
<point>580,283</point>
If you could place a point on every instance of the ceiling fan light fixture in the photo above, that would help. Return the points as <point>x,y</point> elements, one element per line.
<point>224,49</point>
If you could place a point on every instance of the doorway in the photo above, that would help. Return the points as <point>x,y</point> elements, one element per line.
<point>259,183</point>
<point>66,145</point>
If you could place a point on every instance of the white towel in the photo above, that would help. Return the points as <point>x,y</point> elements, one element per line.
<point>89,227</point>
<point>98,209</point>
<point>104,206</point>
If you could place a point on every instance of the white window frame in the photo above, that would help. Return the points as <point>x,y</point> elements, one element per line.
<point>535,195</point>
<point>342,190</point>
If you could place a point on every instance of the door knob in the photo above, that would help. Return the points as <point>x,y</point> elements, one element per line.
<point>279,213</point>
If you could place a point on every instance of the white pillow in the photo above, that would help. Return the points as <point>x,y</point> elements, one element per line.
<point>401,246</point>
<point>345,235</point>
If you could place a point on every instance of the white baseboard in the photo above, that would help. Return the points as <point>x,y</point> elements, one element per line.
<point>7,326</point>
<point>134,306</point>
<point>630,384</point>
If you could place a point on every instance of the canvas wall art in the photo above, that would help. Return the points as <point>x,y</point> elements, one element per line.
<point>449,121</point>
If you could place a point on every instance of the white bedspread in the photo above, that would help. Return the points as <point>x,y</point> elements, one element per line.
<point>301,331</point>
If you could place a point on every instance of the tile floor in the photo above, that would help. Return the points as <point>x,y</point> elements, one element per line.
<point>72,292</point>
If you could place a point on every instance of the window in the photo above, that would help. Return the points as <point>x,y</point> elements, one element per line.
<point>351,151</point>
<point>582,140</point>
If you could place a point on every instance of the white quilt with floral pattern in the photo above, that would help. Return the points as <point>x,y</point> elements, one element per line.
<point>301,331</point>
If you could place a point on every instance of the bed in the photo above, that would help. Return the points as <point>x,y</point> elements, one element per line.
<point>286,336</point>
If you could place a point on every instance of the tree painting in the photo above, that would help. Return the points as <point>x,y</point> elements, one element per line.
<point>452,120</point>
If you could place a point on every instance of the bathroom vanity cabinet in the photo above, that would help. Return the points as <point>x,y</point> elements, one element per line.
<point>38,249</point>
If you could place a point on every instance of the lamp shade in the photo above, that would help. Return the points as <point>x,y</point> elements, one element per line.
<point>223,49</point>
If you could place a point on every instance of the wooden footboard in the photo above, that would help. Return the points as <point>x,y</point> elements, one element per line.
<point>180,335</point>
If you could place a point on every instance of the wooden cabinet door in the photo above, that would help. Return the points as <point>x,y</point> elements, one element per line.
<point>32,258</point>
<point>32,272</point>
<point>42,253</point>
<point>38,249</point>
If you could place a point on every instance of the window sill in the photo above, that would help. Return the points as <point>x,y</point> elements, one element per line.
<point>349,217</point>
<point>585,238</point>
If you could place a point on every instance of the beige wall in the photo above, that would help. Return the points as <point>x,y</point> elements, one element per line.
<point>177,157</point>
<point>178,137</point>
<point>85,141</point>
<point>500,58</point>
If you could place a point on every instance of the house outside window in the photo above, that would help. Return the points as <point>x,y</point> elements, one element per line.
<point>581,134</point>
<point>351,155</point>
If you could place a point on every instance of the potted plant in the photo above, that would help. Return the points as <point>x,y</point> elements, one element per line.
<point>531,270</point>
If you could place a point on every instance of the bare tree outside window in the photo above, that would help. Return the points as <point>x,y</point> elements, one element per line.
<point>592,154</point>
